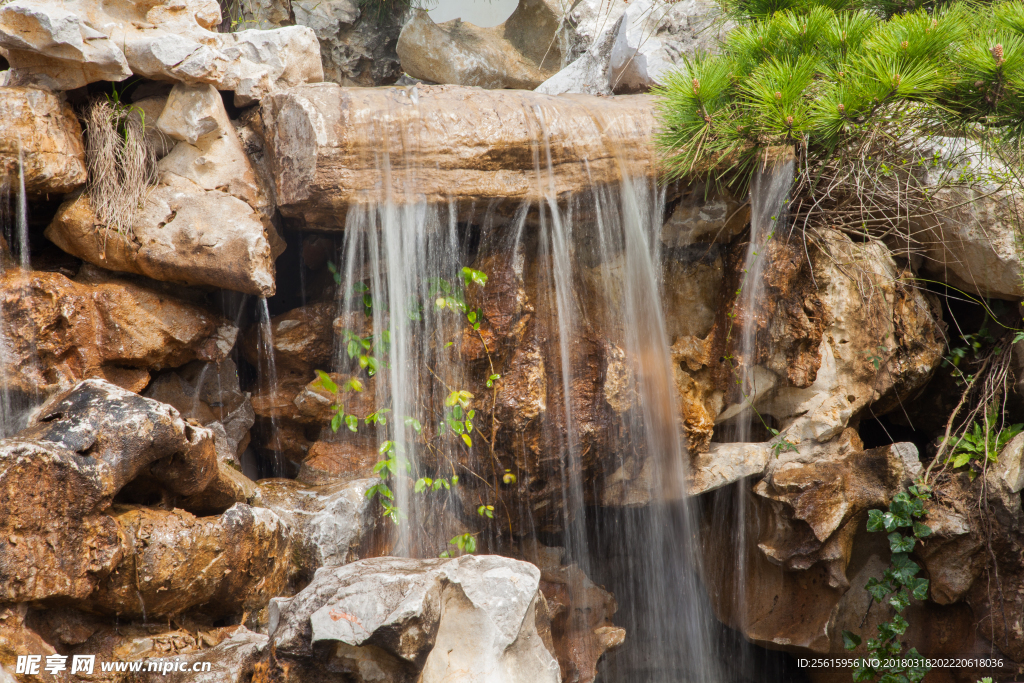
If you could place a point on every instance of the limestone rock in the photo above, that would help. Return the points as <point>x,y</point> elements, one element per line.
<point>205,223</point>
<point>803,518</point>
<point>58,331</point>
<point>629,47</point>
<point>822,332</point>
<point>58,476</point>
<point>700,217</point>
<point>463,54</point>
<point>231,661</point>
<point>328,523</point>
<point>327,160</point>
<point>228,564</point>
<point>40,132</point>
<point>972,240</point>
<point>182,234</point>
<point>474,614</point>
<point>55,45</point>
<point>357,48</point>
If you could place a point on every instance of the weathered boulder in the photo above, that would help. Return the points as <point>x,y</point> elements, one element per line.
<point>833,339</point>
<point>463,54</point>
<point>175,561</point>
<point>801,522</point>
<point>55,45</point>
<point>58,331</point>
<point>41,139</point>
<point>18,639</point>
<point>395,619</point>
<point>205,223</point>
<point>704,216</point>
<point>233,660</point>
<point>324,144</point>
<point>329,524</point>
<point>59,475</point>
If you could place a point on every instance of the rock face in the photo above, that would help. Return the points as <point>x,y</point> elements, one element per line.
<point>55,45</point>
<point>809,510</point>
<point>391,619</point>
<point>463,54</point>
<point>60,477</point>
<point>469,145</point>
<point>233,660</point>
<point>206,222</point>
<point>329,524</point>
<point>972,238</point>
<point>58,331</point>
<point>40,132</point>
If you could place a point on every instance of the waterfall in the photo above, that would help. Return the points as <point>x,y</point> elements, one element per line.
<point>730,516</point>
<point>21,215</point>
<point>268,369</point>
<point>592,267</point>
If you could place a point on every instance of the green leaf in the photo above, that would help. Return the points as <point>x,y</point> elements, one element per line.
<point>326,382</point>
<point>354,384</point>
<point>851,640</point>
<point>875,521</point>
<point>468,441</point>
<point>414,423</point>
<point>352,422</point>
<point>336,421</point>
<point>922,530</point>
<point>919,588</point>
<point>898,543</point>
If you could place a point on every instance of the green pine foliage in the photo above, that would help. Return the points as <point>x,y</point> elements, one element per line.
<point>819,73</point>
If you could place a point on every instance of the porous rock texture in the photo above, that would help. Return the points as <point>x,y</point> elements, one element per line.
<point>60,479</point>
<point>207,221</point>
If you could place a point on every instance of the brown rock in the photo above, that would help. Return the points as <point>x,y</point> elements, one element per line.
<point>60,331</point>
<point>42,129</point>
<point>228,564</point>
<point>59,475</point>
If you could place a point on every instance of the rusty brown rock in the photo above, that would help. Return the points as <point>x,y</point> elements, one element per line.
<point>803,517</point>
<point>59,331</point>
<point>59,475</point>
<point>40,129</point>
<point>471,145</point>
<point>228,564</point>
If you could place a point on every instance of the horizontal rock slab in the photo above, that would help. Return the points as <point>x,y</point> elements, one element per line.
<point>58,331</point>
<point>326,146</point>
<point>40,139</point>
<point>66,45</point>
<point>473,614</point>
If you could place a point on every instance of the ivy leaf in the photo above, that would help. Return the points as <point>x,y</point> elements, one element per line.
<point>850,640</point>
<point>922,530</point>
<point>898,543</point>
<point>919,588</point>
<point>900,600</point>
<point>875,522</point>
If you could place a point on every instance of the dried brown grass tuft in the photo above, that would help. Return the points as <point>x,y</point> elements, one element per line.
<point>122,165</point>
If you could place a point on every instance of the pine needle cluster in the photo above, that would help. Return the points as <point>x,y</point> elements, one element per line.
<point>819,73</point>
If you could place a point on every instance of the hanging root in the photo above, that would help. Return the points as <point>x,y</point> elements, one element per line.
<point>122,165</point>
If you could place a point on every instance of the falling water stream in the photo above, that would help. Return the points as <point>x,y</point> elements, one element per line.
<point>597,266</point>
